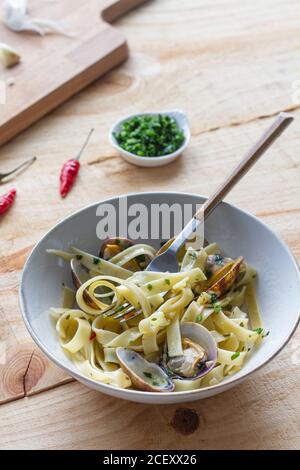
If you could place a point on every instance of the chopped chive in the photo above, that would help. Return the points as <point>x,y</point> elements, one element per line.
<point>96,260</point>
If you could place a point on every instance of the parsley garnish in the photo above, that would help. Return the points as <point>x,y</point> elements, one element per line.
<point>213,298</point>
<point>150,136</point>
<point>217,308</point>
<point>149,286</point>
<point>235,355</point>
<point>148,375</point>
<point>167,281</point>
<point>199,317</point>
<point>96,260</point>
<point>259,330</point>
<point>218,258</point>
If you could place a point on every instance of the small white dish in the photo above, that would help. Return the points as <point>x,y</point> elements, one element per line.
<point>236,231</point>
<point>182,121</point>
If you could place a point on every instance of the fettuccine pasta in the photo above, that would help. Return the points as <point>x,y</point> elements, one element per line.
<point>129,328</point>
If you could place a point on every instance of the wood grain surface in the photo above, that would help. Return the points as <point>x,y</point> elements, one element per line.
<point>51,71</point>
<point>231,66</point>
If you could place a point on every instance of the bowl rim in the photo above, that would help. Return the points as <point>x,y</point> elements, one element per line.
<point>233,380</point>
<point>115,144</point>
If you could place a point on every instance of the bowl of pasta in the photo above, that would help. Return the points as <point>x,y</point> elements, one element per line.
<point>90,304</point>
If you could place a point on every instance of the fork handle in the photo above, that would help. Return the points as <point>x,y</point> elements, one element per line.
<point>281,122</point>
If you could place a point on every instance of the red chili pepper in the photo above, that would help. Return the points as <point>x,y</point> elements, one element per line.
<point>70,170</point>
<point>7,200</point>
<point>93,336</point>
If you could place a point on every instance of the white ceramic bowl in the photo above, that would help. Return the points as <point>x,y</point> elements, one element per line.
<point>237,232</point>
<point>182,121</point>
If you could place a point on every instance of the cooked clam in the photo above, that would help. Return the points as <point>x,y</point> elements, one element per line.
<point>199,353</point>
<point>80,275</point>
<point>226,281</point>
<point>144,375</point>
<point>214,263</point>
<point>113,246</point>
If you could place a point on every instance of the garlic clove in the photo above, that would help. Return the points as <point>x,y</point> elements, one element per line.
<point>8,56</point>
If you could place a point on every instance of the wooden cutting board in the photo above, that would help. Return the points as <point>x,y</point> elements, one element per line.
<point>55,67</point>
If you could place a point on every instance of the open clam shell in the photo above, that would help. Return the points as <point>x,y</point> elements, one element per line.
<point>199,353</point>
<point>144,375</point>
<point>80,276</point>
<point>113,246</point>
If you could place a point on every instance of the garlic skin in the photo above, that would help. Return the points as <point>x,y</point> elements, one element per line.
<point>8,56</point>
<point>17,18</point>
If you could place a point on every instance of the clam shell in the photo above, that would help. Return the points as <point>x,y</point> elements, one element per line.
<point>78,273</point>
<point>144,375</point>
<point>200,335</point>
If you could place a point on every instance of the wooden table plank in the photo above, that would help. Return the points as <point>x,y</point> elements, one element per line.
<point>227,67</point>
<point>261,413</point>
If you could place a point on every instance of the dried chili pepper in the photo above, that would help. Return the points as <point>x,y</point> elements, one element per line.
<point>93,336</point>
<point>19,167</point>
<point>70,170</point>
<point>7,200</point>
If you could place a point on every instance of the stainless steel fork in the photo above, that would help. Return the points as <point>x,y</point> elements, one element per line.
<point>167,261</point>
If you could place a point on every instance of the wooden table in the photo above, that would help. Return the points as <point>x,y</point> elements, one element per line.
<point>231,66</point>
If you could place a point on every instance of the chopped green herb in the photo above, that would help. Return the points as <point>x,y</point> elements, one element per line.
<point>79,257</point>
<point>67,317</point>
<point>192,255</point>
<point>154,319</point>
<point>242,324</point>
<point>199,318</point>
<point>149,286</point>
<point>213,298</point>
<point>148,375</point>
<point>259,330</point>
<point>235,355</point>
<point>218,258</point>
<point>156,384</point>
<point>96,260</point>
<point>217,308</point>
<point>167,281</point>
<point>150,136</point>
